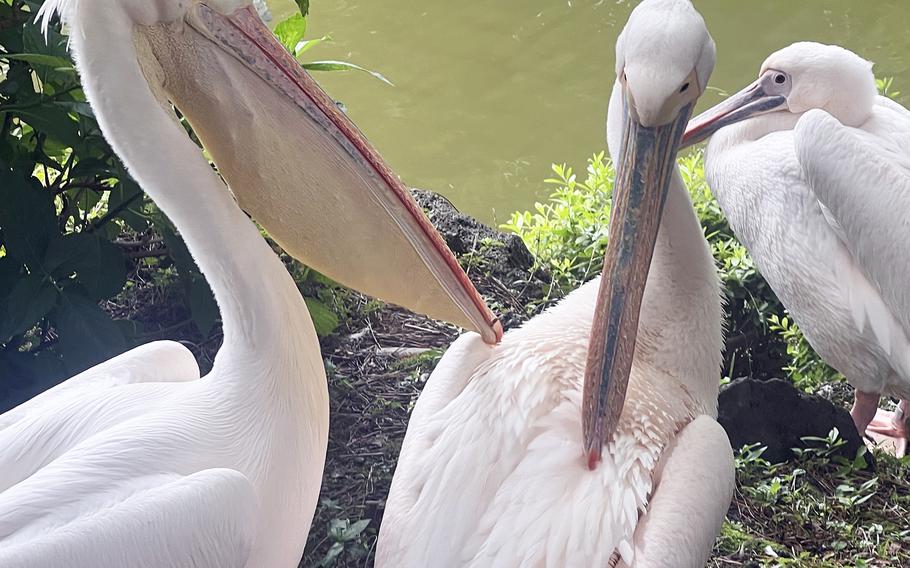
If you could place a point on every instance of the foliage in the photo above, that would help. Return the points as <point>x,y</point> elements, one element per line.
<point>66,202</point>
<point>291,33</point>
<point>805,368</point>
<point>344,536</point>
<point>568,233</point>
<point>885,87</point>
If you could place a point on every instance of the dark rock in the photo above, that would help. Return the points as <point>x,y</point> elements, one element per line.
<point>466,234</point>
<point>499,264</point>
<point>776,414</point>
<point>750,350</point>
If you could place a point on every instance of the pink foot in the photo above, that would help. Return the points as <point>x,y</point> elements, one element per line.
<point>888,431</point>
<point>882,429</point>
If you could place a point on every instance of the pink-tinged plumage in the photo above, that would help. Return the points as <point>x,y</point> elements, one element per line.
<point>140,462</point>
<point>492,471</point>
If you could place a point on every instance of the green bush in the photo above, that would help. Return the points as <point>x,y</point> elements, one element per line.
<point>568,233</point>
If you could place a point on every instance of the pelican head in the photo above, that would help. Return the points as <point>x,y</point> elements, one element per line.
<point>290,157</point>
<point>664,57</point>
<point>796,79</point>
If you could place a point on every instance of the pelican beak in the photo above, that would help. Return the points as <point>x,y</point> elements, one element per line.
<point>642,179</point>
<point>301,168</point>
<point>754,100</point>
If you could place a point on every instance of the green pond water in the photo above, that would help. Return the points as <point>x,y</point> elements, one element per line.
<point>487,94</point>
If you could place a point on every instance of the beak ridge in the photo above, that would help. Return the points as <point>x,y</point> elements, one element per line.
<point>642,180</point>
<point>754,100</point>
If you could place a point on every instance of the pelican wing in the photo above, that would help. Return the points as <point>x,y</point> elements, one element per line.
<point>862,180</point>
<point>204,520</point>
<point>683,498</point>
<point>39,431</point>
<point>159,361</point>
<point>425,464</point>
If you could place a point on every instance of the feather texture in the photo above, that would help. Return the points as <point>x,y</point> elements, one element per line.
<point>497,449</point>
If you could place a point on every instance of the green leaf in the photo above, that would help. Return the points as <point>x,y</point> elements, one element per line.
<point>304,6</point>
<point>186,266</point>
<point>354,530</point>
<point>125,198</point>
<point>308,44</point>
<point>54,120</point>
<point>290,32</point>
<point>324,319</point>
<point>87,335</point>
<point>9,275</point>
<point>35,41</point>
<point>27,217</point>
<point>30,300</point>
<point>343,66</point>
<point>332,555</point>
<point>28,374</point>
<point>203,307</point>
<point>55,62</point>
<point>91,167</point>
<point>98,264</point>
<point>77,107</point>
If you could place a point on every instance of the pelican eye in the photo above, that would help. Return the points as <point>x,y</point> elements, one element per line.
<point>780,78</point>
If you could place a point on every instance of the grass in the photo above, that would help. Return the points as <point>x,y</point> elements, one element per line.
<point>817,511</point>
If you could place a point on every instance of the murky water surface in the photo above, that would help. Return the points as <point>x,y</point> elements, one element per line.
<point>488,93</point>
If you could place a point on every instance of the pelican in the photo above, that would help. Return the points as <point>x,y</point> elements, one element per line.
<point>494,469</point>
<point>139,461</point>
<point>810,165</point>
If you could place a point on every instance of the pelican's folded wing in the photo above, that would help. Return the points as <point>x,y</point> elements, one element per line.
<point>431,475</point>
<point>863,181</point>
<point>203,520</point>
<point>159,361</point>
<point>694,485</point>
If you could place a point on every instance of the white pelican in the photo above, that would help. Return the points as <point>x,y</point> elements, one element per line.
<point>494,470</point>
<point>138,461</point>
<point>810,166</point>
